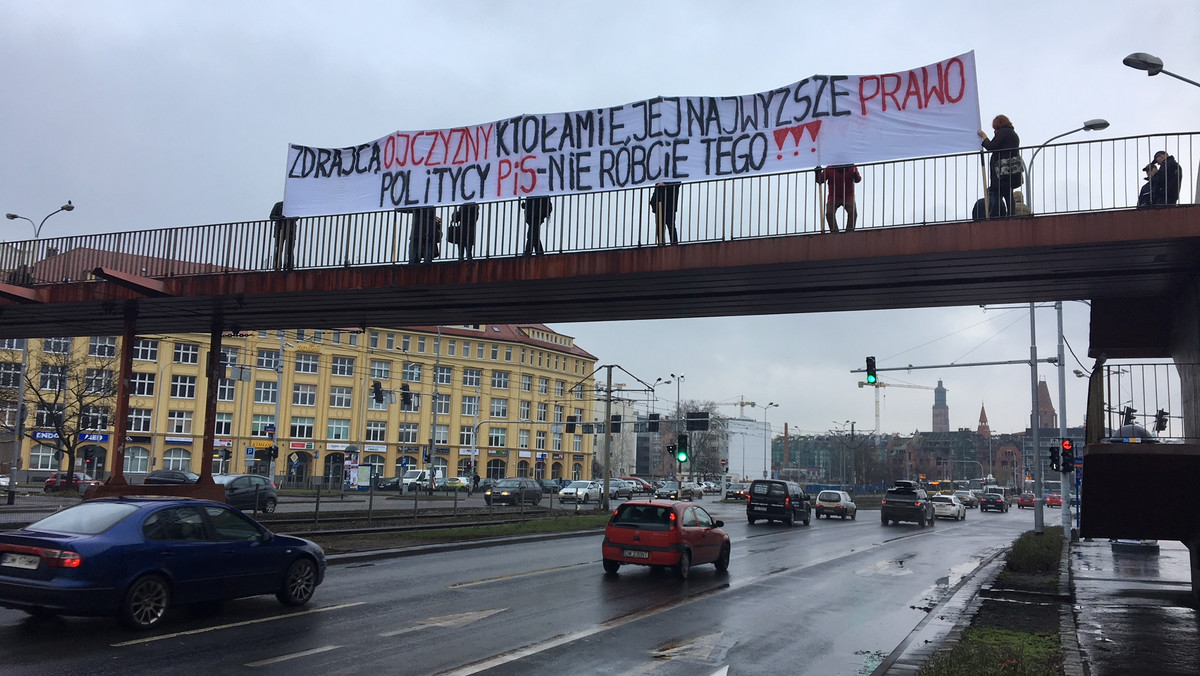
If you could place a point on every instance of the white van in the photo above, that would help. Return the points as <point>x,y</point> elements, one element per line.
<point>415,479</point>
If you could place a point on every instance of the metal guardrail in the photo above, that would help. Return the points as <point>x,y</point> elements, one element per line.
<point>1142,402</point>
<point>1063,178</point>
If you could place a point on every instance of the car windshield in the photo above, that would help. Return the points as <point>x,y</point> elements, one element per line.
<point>508,483</point>
<point>670,485</point>
<point>830,496</point>
<point>578,484</point>
<point>224,478</point>
<point>88,518</point>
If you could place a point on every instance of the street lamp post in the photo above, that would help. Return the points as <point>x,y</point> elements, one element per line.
<point>1091,125</point>
<point>37,229</point>
<point>679,427</point>
<point>1152,65</point>
<point>767,446</point>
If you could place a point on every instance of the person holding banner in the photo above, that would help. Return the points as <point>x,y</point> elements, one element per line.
<point>1005,166</point>
<point>663,203</point>
<point>422,243</point>
<point>463,220</point>
<point>841,180</point>
<point>537,210</point>
<point>285,238</point>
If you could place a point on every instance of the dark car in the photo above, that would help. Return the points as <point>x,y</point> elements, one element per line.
<point>250,492</point>
<point>134,557</point>
<point>993,501</point>
<point>777,500</point>
<point>661,533</point>
<point>549,486</point>
<point>513,491</point>
<point>737,491</point>
<point>392,484</point>
<point>675,490</point>
<point>906,501</point>
<point>171,476</point>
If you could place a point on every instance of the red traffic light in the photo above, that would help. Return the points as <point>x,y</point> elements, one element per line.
<point>1068,445</point>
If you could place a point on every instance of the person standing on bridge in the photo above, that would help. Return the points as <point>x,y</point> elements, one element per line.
<point>464,219</point>
<point>422,243</point>
<point>1164,178</point>
<point>841,180</point>
<point>285,238</point>
<point>663,203</point>
<point>1006,166</point>
<point>537,210</point>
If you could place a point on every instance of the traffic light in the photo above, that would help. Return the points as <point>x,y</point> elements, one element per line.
<point>1055,457</point>
<point>872,377</point>
<point>226,454</point>
<point>1066,462</point>
<point>1160,420</point>
<point>273,452</point>
<point>681,448</point>
<point>377,392</point>
<point>426,456</point>
<point>652,422</point>
<point>571,420</point>
<point>405,396</point>
<point>697,421</point>
<point>1129,411</point>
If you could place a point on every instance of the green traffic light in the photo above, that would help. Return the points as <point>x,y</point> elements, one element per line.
<point>681,456</point>
<point>871,379</point>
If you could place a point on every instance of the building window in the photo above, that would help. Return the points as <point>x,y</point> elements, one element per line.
<point>92,417</point>
<point>522,438</point>
<point>102,346</point>
<point>542,408</point>
<point>470,405</point>
<point>479,350</point>
<point>420,344</point>
<point>381,370</point>
<point>377,429</point>
<point>523,410</point>
<point>472,377</point>
<point>497,437</point>
<point>441,435</point>
<point>560,388</point>
<point>451,347</point>
<point>466,349</point>
<point>145,350</point>
<point>495,352</point>
<point>302,427</point>
<point>177,459</point>
<point>499,408</point>
<point>10,374</point>
<point>443,375</point>
<point>225,389</point>
<point>56,345</point>
<point>508,353</point>
<point>12,343</point>
<point>48,415</point>
<point>259,424</point>
<point>441,404</point>
<point>339,429</point>
<point>540,441</point>
<point>499,380</point>
<point>223,424</point>
<point>558,441</point>
<point>99,381</point>
<point>187,353</point>
<point>578,390</point>
<point>558,413</point>
<point>318,336</point>
<point>343,366</point>
<point>373,340</point>
<point>373,405</point>
<point>543,385</point>
<point>412,373</point>
<point>577,444</point>
<point>340,397</point>
<point>391,341</point>
<point>139,419</point>
<point>466,435</point>
<point>408,433</point>
<point>179,422</point>
<point>307,363</point>
<point>266,392</point>
<point>54,377</point>
<point>229,356</point>
<point>268,359</point>
<point>137,460</point>
<point>183,387</point>
<point>304,395</point>
<point>405,343</point>
<point>526,383</point>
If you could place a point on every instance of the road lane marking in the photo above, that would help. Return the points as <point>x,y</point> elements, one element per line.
<point>284,658</point>
<point>205,630</point>
<point>501,578</point>
<point>446,621</point>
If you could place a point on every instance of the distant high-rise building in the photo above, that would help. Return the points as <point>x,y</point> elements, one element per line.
<point>941,412</point>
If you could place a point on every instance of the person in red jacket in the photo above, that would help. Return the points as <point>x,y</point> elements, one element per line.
<point>841,180</point>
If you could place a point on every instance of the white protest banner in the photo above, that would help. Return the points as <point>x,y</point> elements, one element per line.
<point>820,120</point>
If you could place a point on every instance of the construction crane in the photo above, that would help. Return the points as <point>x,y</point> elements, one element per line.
<point>880,384</point>
<point>741,403</point>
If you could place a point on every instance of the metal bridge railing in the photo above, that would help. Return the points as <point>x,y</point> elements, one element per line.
<point>1143,403</point>
<point>1063,178</point>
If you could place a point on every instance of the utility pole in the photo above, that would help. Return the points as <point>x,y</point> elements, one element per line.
<point>607,435</point>
<point>437,362</point>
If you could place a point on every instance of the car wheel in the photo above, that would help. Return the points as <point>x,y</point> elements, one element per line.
<point>585,497</point>
<point>921,521</point>
<point>854,515</point>
<point>722,562</point>
<point>269,506</point>
<point>789,520</point>
<point>537,500</point>
<point>806,520</point>
<point>299,584</point>
<point>884,519</point>
<point>843,516</point>
<point>611,566</point>
<point>145,602</point>
<point>751,520</point>
<point>684,567</point>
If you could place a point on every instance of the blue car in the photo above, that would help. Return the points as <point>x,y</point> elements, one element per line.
<point>136,557</point>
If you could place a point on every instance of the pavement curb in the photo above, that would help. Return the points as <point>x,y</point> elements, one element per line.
<point>1068,626</point>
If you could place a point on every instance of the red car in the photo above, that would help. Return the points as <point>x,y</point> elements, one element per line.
<point>1054,500</point>
<point>664,533</point>
<point>640,485</point>
<point>58,482</point>
<point>1026,499</point>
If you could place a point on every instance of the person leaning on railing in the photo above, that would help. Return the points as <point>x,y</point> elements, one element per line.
<point>1164,179</point>
<point>1005,166</point>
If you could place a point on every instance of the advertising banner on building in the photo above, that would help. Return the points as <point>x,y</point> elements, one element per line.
<point>818,121</point>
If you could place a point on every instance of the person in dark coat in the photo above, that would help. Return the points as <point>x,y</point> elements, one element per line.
<point>1165,178</point>
<point>663,202</point>
<point>537,210</point>
<point>465,217</point>
<point>422,244</point>
<point>1004,147</point>
<point>285,238</point>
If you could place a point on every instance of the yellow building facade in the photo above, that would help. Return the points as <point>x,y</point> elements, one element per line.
<point>336,404</point>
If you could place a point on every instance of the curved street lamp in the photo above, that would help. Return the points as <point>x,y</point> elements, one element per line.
<point>37,230</point>
<point>1097,124</point>
<point>767,450</point>
<point>1152,65</point>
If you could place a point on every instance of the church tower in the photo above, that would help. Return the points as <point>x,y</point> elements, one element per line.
<point>941,412</point>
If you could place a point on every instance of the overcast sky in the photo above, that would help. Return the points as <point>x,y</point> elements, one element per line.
<point>157,114</point>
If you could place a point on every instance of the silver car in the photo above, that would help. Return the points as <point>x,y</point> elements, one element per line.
<point>580,491</point>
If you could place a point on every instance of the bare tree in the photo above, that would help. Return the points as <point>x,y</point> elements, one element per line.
<point>70,391</point>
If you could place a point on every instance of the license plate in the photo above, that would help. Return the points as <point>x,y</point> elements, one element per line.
<point>760,509</point>
<point>635,554</point>
<point>27,561</point>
